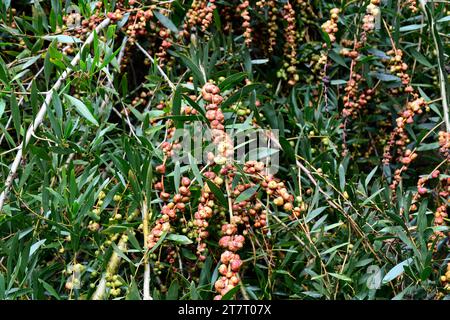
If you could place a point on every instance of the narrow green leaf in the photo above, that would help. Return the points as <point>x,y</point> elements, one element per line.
<point>177,176</point>
<point>217,193</point>
<point>342,177</point>
<point>50,289</point>
<point>421,58</point>
<point>232,80</point>
<point>2,107</point>
<point>340,276</point>
<point>165,21</point>
<point>332,249</point>
<point>247,194</point>
<point>62,39</point>
<point>16,115</point>
<point>195,169</point>
<point>240,94</point>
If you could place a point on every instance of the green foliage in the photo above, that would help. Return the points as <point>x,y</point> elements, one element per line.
<point>88,177</point>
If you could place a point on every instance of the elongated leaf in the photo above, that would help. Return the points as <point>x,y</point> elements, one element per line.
<point>165,21</point>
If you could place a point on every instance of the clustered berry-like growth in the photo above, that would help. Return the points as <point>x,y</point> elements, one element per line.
<point>210,94</point>
<point>443,191</point>
<point>320,62</point>
<point>74,280</point>
<point>250,208</point>
<point>441,217</point>
<point>399,136</point>
<point>167,147</point>
<point>230,240</point>
<point>241,211</point>
<point>171,256</point>
<point>141,23</point>
<point>355,98</point>
<point>142,99</point>
<point>187,109</point>
<point>351,89</point>
<point>226,14</point>
<point>245,210</point>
